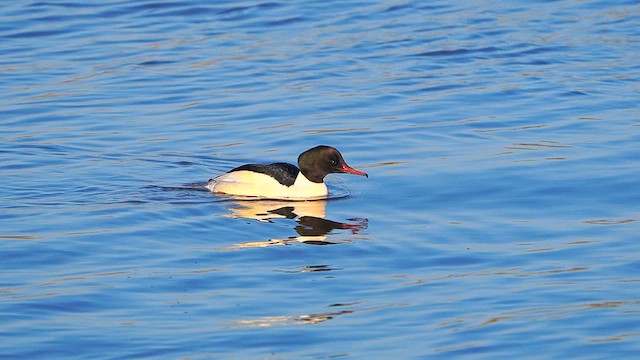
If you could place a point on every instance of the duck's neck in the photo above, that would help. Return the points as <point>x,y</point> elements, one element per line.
<point>313,176</point>
<point>305,188</point>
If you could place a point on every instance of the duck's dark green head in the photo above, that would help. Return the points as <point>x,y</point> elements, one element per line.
<point>321,160</point>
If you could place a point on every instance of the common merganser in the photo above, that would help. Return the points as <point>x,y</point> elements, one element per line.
<point>283,180</point>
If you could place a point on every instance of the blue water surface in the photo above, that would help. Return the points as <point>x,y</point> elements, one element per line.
<point>500,218</point>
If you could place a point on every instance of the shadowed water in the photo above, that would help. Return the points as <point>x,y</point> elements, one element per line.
<point>499,219</point>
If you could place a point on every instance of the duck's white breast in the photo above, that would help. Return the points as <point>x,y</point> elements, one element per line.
<point>254,184</point>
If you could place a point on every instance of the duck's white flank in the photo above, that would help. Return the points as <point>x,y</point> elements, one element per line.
<point>250,183</point>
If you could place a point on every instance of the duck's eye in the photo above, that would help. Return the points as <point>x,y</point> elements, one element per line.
<point>334,162</point>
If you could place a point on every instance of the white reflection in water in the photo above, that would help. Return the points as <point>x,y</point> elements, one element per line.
<point>306,319</point>
<point>312,227</point>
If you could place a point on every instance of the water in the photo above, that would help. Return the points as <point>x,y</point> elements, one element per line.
<point>500,218</point>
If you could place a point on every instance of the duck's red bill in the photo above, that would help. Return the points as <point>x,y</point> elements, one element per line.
<point>349,170</point>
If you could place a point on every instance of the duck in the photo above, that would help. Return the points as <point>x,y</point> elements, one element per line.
<point>284,181</point>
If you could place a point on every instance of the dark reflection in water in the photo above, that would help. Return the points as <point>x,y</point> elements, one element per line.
<point>309,269</point>
<point>311,227</point>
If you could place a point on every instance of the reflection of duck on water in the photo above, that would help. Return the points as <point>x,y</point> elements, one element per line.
<point>312,227</point>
